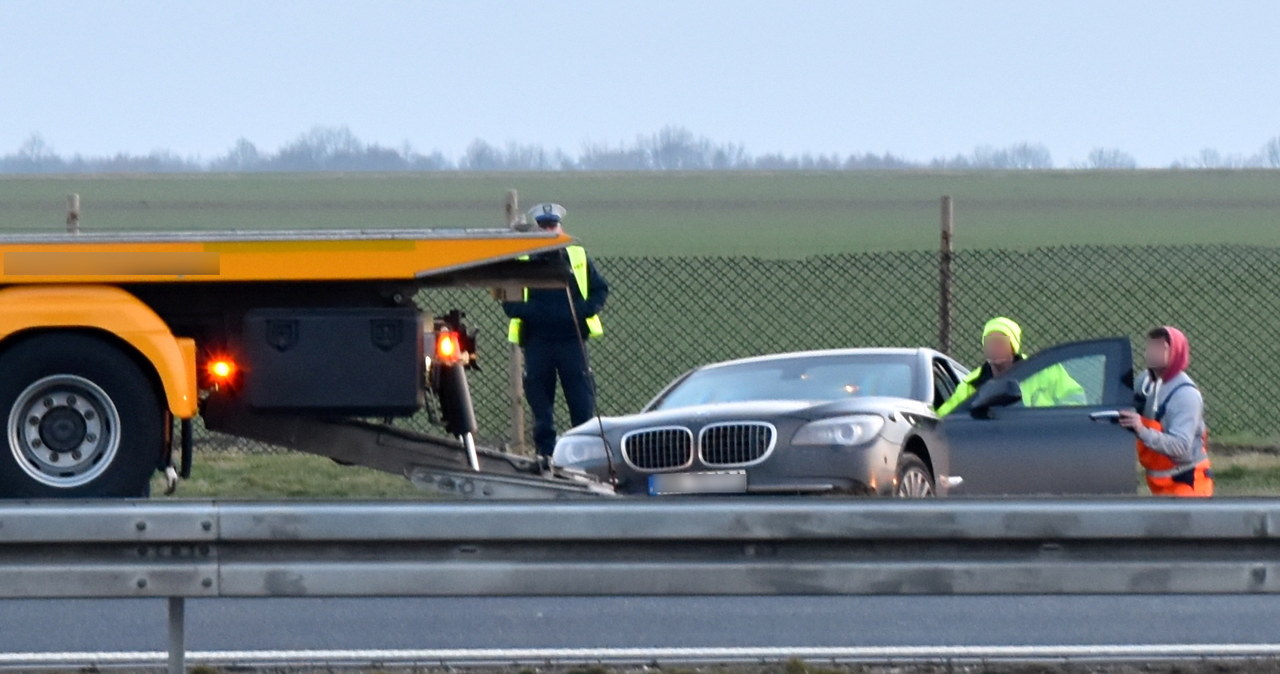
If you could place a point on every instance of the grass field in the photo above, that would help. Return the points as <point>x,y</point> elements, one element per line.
<point>787,214</point>
<point>239,475</point>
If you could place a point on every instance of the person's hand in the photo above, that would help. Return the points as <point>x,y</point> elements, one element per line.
<point>1130,419</point>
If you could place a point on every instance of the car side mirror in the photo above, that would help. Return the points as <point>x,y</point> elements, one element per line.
<point>995,393</point>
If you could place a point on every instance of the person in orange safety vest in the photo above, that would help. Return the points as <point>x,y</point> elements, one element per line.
<point>1173,441</point>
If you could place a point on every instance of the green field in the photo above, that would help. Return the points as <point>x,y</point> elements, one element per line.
<point>285,475</point>
<point>788,214</point>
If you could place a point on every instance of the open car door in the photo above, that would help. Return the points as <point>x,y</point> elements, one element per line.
<point>1035,430</point>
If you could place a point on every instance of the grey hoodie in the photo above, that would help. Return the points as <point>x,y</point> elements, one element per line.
<point>1183,436</point>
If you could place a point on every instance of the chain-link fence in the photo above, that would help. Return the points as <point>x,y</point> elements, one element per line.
<point>668,315</point>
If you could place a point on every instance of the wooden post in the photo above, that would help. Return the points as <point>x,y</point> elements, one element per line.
<point>945,255</point>
<point>515,360</point>
<point>515,219</point>
<point>73,214</point>
<point>515,388</point>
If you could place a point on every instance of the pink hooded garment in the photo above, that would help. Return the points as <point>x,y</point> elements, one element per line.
<point>1179,353</point>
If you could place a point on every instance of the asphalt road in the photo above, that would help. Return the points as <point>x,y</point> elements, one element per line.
<point>316,624</point>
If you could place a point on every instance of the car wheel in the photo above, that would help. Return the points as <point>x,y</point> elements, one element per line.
<point>81,420</point>
<point>914,480</point>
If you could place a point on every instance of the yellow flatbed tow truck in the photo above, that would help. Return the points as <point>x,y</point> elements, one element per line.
<point>112,344</point>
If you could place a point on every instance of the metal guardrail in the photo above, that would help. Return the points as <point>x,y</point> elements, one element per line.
<point>681,547</point>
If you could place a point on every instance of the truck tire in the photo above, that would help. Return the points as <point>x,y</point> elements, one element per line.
<point>81,419</point>
<point>914,479</point>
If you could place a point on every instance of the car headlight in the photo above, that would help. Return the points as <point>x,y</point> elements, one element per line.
<point>849,431</point>
<point>574,450</point>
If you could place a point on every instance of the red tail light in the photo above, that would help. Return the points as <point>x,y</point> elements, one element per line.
<point>448,347</point>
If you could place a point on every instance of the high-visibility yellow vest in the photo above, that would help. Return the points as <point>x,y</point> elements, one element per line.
<point>578,264</point>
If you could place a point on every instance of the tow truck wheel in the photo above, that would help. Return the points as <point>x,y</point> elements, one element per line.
<point>81,420</point>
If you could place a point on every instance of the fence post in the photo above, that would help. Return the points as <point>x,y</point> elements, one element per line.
<point>515,386</point>
<point>515,359</point>
<point>946,254</point>
<point>73,214</point>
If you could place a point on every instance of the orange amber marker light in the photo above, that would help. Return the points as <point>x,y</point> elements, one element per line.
<point>221,370</point>
<point>447,347</point>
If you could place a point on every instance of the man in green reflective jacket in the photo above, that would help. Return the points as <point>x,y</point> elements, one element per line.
<point>1002,346</point>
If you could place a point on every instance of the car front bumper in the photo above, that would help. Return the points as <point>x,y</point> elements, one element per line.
<point>863,470</point>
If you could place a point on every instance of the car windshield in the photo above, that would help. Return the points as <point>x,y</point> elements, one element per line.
<point>804,378</point>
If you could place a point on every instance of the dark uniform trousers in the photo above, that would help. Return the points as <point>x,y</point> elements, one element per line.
<point>544,361</point>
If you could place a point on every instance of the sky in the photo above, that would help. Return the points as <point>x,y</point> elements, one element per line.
<point>1158,79</point>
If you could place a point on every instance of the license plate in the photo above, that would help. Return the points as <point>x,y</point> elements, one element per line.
<point>698,483</point>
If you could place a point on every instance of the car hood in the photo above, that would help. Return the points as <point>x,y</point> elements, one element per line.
<point>762,409</point>
<point>882,406</point>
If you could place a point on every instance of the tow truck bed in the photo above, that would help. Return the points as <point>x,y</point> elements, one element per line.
<point>271,257</point>
<point>107,338</point>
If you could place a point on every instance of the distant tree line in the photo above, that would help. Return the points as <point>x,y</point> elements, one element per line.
<point>672,148</point>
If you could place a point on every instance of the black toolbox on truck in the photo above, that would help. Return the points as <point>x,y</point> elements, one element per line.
<point>348,362</point>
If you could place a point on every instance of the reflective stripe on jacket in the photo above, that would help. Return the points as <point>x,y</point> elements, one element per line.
<point>578,265</point>
<point>1166,477</point>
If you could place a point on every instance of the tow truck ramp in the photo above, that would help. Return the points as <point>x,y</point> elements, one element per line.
<point>436,464</point>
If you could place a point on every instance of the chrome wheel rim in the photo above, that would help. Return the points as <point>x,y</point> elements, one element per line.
<point>64,431</point>
<point>914,484</point>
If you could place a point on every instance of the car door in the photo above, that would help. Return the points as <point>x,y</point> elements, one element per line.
<point>1054,447</point>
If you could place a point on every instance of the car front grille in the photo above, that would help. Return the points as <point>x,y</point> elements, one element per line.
<point>735,444</point>
<point>658,448</point>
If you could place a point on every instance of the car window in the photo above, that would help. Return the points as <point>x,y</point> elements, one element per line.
<point>944,383</point>
<point>816,378</point>
<point>1070,382</point>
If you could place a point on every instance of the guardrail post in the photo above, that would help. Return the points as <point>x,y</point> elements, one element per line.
<point>177,635</point>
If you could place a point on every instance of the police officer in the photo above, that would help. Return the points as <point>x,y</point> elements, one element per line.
<point>553,334</point>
